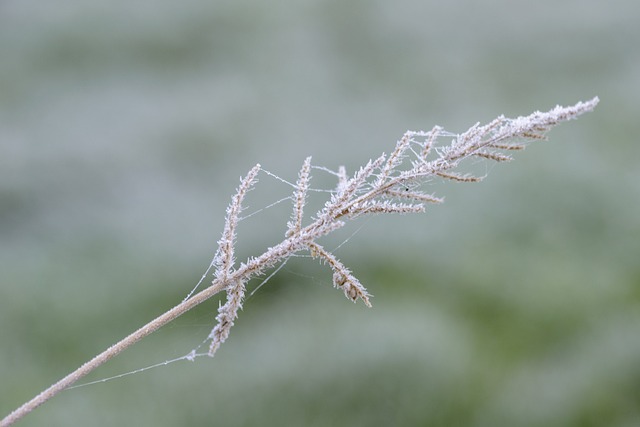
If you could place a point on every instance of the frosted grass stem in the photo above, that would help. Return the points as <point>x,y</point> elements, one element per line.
<point>389,184</point>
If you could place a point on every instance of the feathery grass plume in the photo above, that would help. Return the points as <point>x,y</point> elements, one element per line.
<point>388,184</point>
<point>385,185</point>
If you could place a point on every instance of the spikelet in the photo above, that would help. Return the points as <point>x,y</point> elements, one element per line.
<point>224,261</point>
<point>225,255</point>
<point>458,177</point>
<point>299,197</point>
<point>227,314</point>
<point>342,276</point>
<point>432,136</point>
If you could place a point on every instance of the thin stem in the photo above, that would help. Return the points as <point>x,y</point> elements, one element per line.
<point>252,267</point>
<point>113,351</point>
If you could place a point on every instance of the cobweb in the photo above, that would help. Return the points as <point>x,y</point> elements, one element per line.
<point>196,352</point>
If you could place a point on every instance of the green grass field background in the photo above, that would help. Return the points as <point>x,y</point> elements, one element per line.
<point>124,127</point>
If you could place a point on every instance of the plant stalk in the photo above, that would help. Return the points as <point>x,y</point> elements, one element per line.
<point>113,351</point>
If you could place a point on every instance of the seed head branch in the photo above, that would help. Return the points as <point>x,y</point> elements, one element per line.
<point>342,276</point>
<point>227,314</point>
<point>224,265</point>
<point>225,255</point>
<point>300,197</point>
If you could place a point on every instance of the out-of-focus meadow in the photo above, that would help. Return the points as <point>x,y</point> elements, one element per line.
<point>124,127</point>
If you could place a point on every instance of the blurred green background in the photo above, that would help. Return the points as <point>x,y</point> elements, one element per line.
<point>124,127</point>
